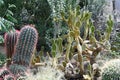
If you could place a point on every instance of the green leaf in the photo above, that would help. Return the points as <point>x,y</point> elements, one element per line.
<point>10,12</point>
<point>1,2</point>
<point>1,39</point>
<point>2,25</point>
<point>12,6</point>
<point>10,18</point>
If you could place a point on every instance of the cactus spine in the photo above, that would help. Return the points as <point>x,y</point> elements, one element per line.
<point>111,70</point>
<point>24,48</point>
<point>10,42</point>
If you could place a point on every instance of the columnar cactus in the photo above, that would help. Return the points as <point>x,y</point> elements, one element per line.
<point>10,42</point>
<point>24,48</point>
<point>111,70</point>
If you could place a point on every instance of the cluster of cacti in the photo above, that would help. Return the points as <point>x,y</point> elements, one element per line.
<point>57,47</point>
<point>10,40</point>
<point>26,44</point>
<point>111,70</point>
<point>20,50</point>
<point>24,48</point>
<point>88,47</point>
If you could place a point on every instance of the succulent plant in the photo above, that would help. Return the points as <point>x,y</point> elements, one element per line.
<point>47,73</point>
<point>9,77</point>
<point>4,73</point>
<point>18,69</point>
<point>10,42</point>
<point>111,70</point>
<point>24,48</point>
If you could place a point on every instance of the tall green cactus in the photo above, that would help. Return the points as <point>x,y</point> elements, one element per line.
<point>24,48</point>
<point>111,70</point>
<point>10,42</point>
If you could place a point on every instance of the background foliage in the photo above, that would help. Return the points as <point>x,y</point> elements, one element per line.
<point>43,13</point>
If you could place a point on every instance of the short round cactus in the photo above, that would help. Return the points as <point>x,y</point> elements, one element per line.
<point>111,70</point>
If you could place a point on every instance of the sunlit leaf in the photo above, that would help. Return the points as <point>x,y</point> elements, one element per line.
<point>11,6</point>
<point>1,2</point>
<point>10,12</point>
<point>10,18</point>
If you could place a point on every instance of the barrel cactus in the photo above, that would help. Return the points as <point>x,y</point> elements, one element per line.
<point>24,48</point>
<point>111,70</point>
<point>10,42</point>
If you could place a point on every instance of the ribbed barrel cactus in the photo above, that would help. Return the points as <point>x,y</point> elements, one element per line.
<point>24,48</point>
<point>10,42</point>
<point>111,70</point>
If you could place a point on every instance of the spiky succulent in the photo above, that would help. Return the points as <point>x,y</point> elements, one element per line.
<point>4,73</point>
<point>9,77</point>
<point>47,73</point>
<point>15,69</point>
<point>111,70</point>
<point>10,42</point>
<point>24,48</point>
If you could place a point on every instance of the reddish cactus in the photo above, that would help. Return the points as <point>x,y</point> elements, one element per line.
<point>10,42</point>
<point>24,48</point>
